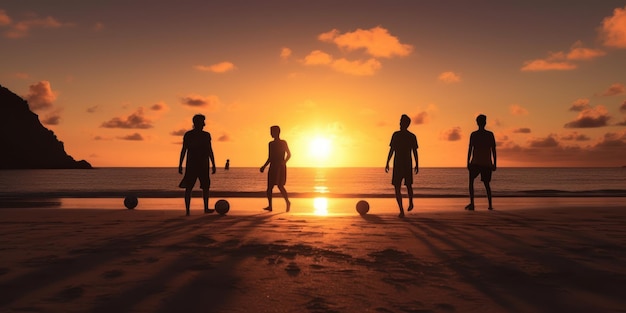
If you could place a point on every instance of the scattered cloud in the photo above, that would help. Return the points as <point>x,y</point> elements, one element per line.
<point>580,105</point>
<point>575,136</point>
<point>285,53</point>
<point>221,67</point>
<point>420,118</point>
<point>452,134</point>
<point>22,28</point>
<point>210,102</point>
<point>377,42</point>
<point>53,118</point>
<point>614,90</point>
<point>449,77</point>
<point>517,109</point>
<point>546,142</point>
<point>522,130</point>
<point>579,53</point>
<point>223,138</point>
<point>622,123</point>
<point>22,75</point>
<point>92,109</point>
<point>318,57</point>
<point>159,106</point>
<point>132,137</point>
<point>589,118</point>
<point>622,108</point>
<point>613,29</point>
<point>545,65</point>
<point>136,120</point>
<point>178,132</point>
<point>358,67</point>
<point>40,96</point>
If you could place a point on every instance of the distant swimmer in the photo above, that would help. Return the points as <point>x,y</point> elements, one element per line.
<point>278,155</point>
<point>227,166</point>
<point>197,147</point>
<point>481,159</point>
<point>404,145</point>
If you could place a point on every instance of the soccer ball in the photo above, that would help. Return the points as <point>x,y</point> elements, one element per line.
<point>130,202</point>
<point>362,207</point>
<point>222,206</point>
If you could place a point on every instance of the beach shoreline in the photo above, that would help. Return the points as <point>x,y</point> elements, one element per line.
<point>526,256</point>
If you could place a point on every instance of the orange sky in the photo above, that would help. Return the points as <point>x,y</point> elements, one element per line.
<point>119,81</point>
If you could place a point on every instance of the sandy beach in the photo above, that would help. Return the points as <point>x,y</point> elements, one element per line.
<point>526,256</point>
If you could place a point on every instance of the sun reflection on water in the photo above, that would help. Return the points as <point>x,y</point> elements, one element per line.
<point>320,206</point>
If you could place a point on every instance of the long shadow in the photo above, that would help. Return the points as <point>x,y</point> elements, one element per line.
<point>543,297</point>
<point>108,251</point>
<point>209,289</point>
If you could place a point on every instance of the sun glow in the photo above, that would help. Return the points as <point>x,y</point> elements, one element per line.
<point>320,206</point>
<point>320,148</point>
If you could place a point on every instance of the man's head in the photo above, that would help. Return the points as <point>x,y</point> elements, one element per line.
<point>405,121</point>
<point>275,131</point>
<point>481,120</point>
<point>198,121</point>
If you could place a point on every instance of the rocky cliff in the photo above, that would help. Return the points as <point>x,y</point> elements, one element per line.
<point>24,142</point>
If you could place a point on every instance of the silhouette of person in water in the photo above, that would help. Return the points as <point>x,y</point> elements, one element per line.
<point>403,145</point>
<point>197,147</point>
<point>481,153</point>
<point>278,155</point>
<point>227,166</point>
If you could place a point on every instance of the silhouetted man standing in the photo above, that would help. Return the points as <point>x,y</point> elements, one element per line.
<point>197,146</point>
<point>481,153</point>
<point>403,144</point>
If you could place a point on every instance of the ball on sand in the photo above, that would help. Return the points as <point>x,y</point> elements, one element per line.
<point>130,202</point>
<point>222,206</point>
<point>362,207</point>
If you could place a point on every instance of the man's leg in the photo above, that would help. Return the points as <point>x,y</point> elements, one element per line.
<point>488,189</point>
<point>187,199</point>
<point>205,197</point>
<point>470,206</point>
<point>409,190</point>
<point>268,193</point>
<point>283,192</point>
<point>399,199</point>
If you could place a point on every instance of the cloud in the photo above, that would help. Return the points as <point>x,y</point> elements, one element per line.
<point>622,108</point>
<point>132,137</point>
<point>4,18</point>
<point>613,29</point>
<point>178,132</point>
<point>547,142</point>
<point>53,118</point>
<point>134,121</point>
<point>223,138</point>
<point>420,118</point>
<point>377,42</point>
<point>579,53</point>
<point>575,136</point>
<point>40,96</point>
<point>285,53</point>
<point>318,57</point>
<point>20,29</point>
<point>221,67</point>
<point>614,90</point>
<point>22,75</point>
<point>452,134</point>
<point>613,140</point>
<point>545,65</point>
<point>159,106</point>
<point>580,105</point>
<point>623,123</point>
<point>358,67</point>
<point>449,77</point>
<point>590,118</point>
<point>210,102</point>
<point>522,130</point>
<point>92,109</point>
<point>516,109</point>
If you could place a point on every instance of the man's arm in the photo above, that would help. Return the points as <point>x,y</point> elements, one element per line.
<point>288,152</point>
<point>493,152</point>
<point>388,159</point>
<point>212,158</point>
<point>417,160</point>
<point>268,159</point>
<point>183,151</point>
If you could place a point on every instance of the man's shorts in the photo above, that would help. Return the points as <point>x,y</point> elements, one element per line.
<point>400,174</point>
<point>484,171</point>
<point>191,175</point>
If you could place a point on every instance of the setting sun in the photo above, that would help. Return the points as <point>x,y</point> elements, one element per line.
<point>320,148</point>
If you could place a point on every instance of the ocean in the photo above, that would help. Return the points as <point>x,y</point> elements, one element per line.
<point>311,182</point>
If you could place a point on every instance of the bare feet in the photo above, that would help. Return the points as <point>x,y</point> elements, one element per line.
<point>269,209</point>
<point>410,208</point>
<point>401,215</point>
<point>288,205</point>
<point>209,211</point>
<point>490,208</point>
<point>470,207</point>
